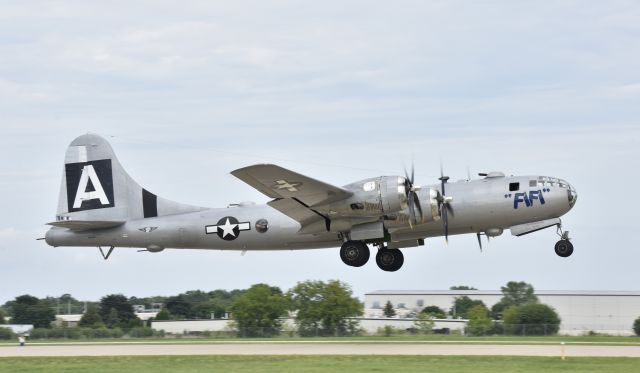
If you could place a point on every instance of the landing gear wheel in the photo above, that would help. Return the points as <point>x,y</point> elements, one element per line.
<point>354,253</point>
<point>564,248</point>
<point>389,260</point>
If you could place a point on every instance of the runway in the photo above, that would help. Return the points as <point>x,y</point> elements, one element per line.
<point>320,349</point>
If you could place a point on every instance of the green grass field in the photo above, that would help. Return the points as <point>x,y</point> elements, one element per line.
<point>426,364</point>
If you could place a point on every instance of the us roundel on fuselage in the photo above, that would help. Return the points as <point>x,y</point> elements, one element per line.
<point>89,185</point>
<point>228,228</point>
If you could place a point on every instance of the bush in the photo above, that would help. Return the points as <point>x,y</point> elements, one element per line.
<point>389,330</point>
<point>479,321</point>
<point>636,326</point>
<point>55,333</point>
<point>140,332</point>
<point>435,312</point>
<point>423,323</point>
<point>6,333</point>
<point>102,332</point>
<point>531,319</point>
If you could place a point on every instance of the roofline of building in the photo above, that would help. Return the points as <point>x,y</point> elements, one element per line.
<point>603,293</point>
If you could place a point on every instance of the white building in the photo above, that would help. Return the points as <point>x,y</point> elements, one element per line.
<point>369,325</point>
<point>72,320</point>
<point>609,312</point>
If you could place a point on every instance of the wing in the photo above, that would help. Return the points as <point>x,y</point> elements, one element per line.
<point>277,182</point>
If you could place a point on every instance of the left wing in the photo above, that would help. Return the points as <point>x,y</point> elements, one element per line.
<point>277,182</point>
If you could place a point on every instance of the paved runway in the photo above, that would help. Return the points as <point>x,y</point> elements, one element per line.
<point>320,349</point>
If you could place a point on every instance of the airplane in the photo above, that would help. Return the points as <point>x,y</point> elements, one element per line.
<point>100,205</point>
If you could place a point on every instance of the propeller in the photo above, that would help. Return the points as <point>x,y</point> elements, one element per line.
<point>444,206</point>
<point>412,197</point>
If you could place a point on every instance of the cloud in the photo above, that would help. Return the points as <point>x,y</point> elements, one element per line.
<point>8,233</point>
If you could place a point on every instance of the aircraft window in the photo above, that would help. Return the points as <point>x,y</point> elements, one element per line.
<point>262,225</point>
<point>533,183</point>
<point>514,187</point>
<point>357,206</point>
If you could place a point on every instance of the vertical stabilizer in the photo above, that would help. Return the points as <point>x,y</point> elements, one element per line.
<point>95,187</point>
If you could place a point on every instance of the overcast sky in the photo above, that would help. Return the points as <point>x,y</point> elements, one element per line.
<point>339,90</point>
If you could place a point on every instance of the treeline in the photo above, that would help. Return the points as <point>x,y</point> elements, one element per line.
<point>319,308</point>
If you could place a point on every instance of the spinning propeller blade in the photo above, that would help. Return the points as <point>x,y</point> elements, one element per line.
<point>444,204</point>
<point>412,197</point>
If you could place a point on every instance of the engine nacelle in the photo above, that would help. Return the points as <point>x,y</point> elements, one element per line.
<point>384,196</point>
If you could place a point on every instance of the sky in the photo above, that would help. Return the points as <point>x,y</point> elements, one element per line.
<point>338,90</point>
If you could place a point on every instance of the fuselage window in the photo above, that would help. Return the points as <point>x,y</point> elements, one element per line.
<point>262,225</point>
<point>513,187</point>
<point>533,183</point>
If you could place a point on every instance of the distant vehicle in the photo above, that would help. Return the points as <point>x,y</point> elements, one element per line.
<point>101,205</point>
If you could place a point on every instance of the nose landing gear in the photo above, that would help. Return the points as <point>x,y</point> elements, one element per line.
<point>564,247</point>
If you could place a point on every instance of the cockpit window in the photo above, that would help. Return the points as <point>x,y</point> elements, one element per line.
<point>514,187</point>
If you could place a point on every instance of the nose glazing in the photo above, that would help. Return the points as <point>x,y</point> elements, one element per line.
<point>572,195</point>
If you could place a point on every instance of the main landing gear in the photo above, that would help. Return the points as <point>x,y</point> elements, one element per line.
<point>564,247</point>
<point>356,254</point>
<point>389,260</point>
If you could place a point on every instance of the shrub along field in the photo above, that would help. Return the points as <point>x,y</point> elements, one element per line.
<point>423,364</point>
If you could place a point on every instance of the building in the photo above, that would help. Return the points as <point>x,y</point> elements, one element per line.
<point>369,325</point>
<point>581,312</point>
<point>72,320</point>
<point>18,328</point>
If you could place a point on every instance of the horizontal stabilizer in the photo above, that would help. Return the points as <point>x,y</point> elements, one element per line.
<point>85,225</point>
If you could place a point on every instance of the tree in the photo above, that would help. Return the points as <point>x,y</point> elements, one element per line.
<point>2,316</point>
<point>388,310</point>
<point>462,305</point>
<point>514,294</point>
<point>479,321</point>
<point>112,318</point>
<point>531,319</point>
<point>180,307</point>
<point>636,326</point>
<point>435,312</point>
<point>163,315</point>
<point>115,310</point>
<point>424,323</point>
<point>257,312</point>
<point>91,318</point>
<point>462,287</point>
<point>324,308</point>
<point>27,309</point>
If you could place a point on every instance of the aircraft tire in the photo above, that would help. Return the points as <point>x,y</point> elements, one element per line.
<point>564,248</point>
<point>354,253</point>
<point>389,260</point>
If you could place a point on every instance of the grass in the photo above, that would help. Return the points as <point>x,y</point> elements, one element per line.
<point>423,364</point>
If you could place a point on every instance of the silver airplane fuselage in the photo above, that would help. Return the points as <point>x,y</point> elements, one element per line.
<point>101,206</point>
